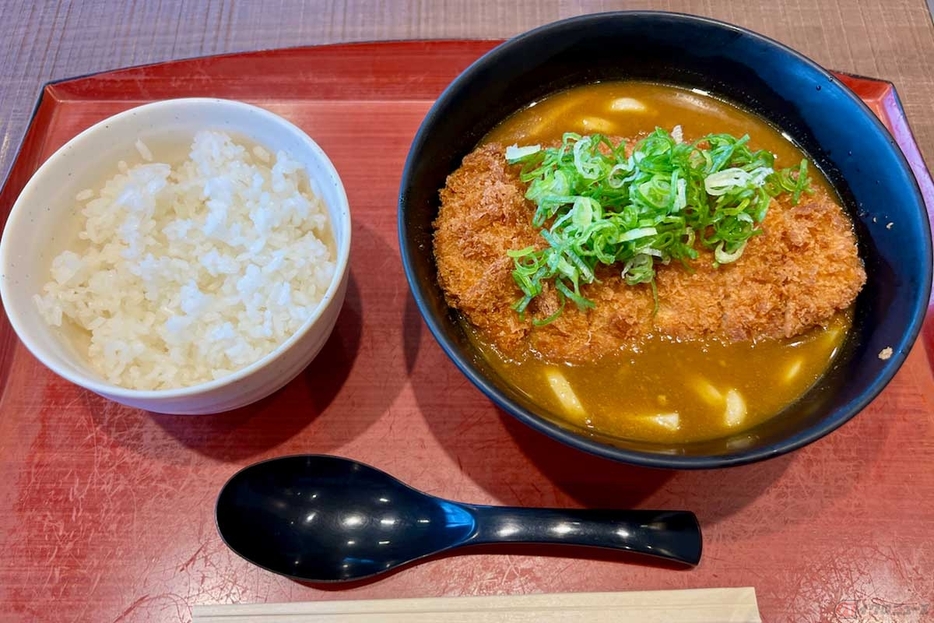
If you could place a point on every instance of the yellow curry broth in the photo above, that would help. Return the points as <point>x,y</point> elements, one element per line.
<point>633,109</point>
<point>634,394</point>
<point>662,390</point>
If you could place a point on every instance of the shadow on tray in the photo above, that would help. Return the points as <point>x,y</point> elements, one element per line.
<point>348,387</point>
<point>556,552</point>
<point>252,430</point>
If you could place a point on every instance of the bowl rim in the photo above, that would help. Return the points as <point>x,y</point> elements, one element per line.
<point>121,393</point>
<point>590,445</point>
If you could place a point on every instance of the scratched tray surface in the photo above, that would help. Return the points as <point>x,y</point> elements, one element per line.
<point>107,512</point>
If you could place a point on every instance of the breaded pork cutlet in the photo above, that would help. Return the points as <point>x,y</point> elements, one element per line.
<point>801,270</point>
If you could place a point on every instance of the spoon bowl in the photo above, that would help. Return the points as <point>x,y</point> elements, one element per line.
<point>322,518</point>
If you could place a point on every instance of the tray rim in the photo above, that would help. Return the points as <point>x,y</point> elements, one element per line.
<point>52,101</point>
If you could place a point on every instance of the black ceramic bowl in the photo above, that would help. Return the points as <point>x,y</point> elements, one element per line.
<point>839,133</point>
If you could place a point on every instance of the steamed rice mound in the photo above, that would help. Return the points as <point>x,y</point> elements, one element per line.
<point>186,274</point>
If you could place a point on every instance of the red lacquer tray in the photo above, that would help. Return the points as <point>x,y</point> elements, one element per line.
<point>106,513</point>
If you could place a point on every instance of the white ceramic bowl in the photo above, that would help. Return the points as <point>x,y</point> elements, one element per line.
<point>42,223</point>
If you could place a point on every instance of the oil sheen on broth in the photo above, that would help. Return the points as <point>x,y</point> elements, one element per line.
<point>661,390</point>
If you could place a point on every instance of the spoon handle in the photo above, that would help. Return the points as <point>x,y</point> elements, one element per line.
<point>673,535</point>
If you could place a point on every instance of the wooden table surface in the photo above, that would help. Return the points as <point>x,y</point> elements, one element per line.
<point>864,576</point>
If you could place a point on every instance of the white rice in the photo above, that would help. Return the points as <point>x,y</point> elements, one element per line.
<point>183,275</point>
<point>143,150</point>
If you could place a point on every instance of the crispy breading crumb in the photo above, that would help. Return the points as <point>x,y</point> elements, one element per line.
<point>885,353</point>
<point>796,275</point>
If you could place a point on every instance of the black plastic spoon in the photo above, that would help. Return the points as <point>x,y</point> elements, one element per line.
<point>327,519</point>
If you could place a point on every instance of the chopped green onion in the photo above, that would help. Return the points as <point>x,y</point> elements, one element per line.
<point>514,152</point>
<point>596,205</point>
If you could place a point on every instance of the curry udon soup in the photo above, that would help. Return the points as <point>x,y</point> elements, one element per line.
<point>703,338</point>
